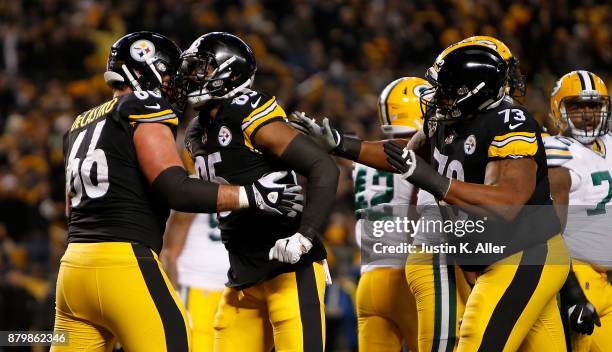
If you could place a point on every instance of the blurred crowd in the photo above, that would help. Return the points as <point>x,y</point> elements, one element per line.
<point>326,57</point>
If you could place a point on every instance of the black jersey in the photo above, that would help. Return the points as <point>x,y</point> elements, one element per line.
<point>110,200</point>
<point>462,150</point>
<point>224,152</point>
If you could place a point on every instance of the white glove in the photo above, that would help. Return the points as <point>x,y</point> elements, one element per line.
<point>327,137</point>
<point>290,249</point>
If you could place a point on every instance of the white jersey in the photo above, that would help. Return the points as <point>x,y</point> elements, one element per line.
<point>427,206</point>
<point>203,263</point>
<point>374,188</point>
<point>589,221</point>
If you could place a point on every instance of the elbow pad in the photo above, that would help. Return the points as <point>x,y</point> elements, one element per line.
<point>308,159</point>
<point>186,194</point>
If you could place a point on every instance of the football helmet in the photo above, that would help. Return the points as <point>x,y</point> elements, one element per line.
<point>141,60</point>
<point>516,81</point>
<point>580,103</point>
<point>217,65</point>
<point>468,78</point>
<point>399,107</point>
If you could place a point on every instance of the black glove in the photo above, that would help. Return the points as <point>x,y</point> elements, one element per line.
<point>277,198</point>
<point>581,313</point>
<point>416,170</point>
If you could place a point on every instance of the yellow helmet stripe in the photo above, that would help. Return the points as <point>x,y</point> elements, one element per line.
<point>384,96</point>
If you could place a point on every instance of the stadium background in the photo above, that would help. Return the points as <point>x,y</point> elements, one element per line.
<point>329,58</point>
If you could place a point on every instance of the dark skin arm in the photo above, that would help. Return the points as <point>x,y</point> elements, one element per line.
<point>372,154</point>
<point>156,151</point>
<point>275,137</point>
<point>560,185</point>
<point>508,185</point>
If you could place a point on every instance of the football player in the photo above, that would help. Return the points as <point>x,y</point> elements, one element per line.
<point>123,174</point>
<point>486,151</point>
<point>386,309</point>
<point>440,288</point>
<point>580,172</point>
<point>277,276</point>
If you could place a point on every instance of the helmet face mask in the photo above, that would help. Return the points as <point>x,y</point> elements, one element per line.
<point>586,116</point>
<point>580,106</point>
<point>216,66</point>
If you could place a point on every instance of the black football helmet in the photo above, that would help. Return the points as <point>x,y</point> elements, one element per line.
<point>217,65</point>
<point>140,60</point>
<point>468,79</point>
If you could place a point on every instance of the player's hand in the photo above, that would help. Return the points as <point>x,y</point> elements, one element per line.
<point>290,249</point>
<point>581,313</point>
<point>269,195</point>
<point>416,170</point>
<point>327,137</point>
<point>583,317</point>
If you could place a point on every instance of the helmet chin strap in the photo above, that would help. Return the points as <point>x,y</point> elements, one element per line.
<point>131,78</point>
<point>149,61</point>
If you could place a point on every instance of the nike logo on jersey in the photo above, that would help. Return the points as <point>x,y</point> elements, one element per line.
<point>254,105</point>
<point>515,126</point>
<point>156,106</point>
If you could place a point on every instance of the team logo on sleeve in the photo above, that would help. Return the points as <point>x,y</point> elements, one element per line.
<point>225,136</point>
<point>470,145</point>
<point>142,49</point>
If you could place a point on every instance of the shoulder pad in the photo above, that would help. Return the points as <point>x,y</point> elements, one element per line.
<point>259,109</point>
<point>514,133</point>
<point>147,106</point>
<point>557,150</point>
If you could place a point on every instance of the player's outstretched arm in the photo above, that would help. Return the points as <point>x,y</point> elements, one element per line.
<point>163,168</point>
<point>305,157</point>
<point>369,153</point>
<point>509,183</point>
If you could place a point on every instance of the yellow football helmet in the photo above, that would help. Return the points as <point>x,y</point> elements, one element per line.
<point>580,102</point>
<point>399,106</point>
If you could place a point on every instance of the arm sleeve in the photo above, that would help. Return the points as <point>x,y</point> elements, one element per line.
<point>186,194</point>
<point>308,159</point>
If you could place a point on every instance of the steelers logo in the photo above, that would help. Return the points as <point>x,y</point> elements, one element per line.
<point>141,50</point>
<point>225,136</point>
<point>470,145</point>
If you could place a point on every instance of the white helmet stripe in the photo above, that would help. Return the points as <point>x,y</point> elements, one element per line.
<point>586,80</point>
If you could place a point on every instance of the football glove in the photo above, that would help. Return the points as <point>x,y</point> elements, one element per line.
<point>277,198</point>
<point>416,170</point>
<point>329,138</point>
<point>290,249</point>
<point>582,315</point>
